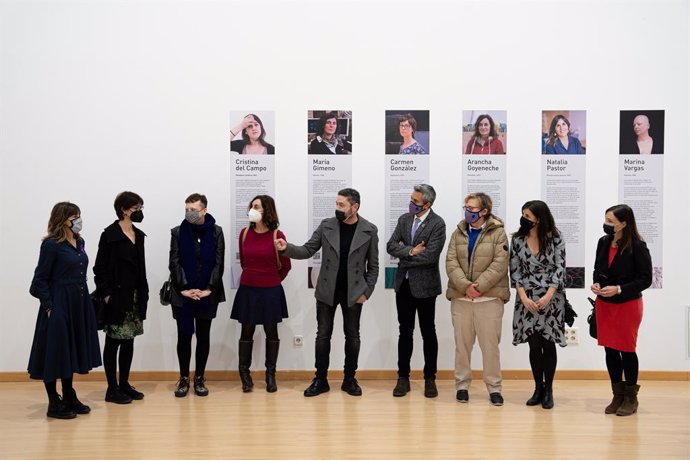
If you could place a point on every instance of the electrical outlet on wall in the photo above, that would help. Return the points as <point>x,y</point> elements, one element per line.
<point>572,337</point>
<point>298,340</point>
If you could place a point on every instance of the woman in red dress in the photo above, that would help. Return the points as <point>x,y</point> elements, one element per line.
<point>622,270</point>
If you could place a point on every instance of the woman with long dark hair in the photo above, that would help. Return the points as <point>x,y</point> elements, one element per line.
<point>485,138</point>
<point>120,276</point>
<point>537,272</point>
<point>66,337</point>
<point>560,140</point>
<point>622,270</point>
<point>253,140</point>
<point>260,298</point>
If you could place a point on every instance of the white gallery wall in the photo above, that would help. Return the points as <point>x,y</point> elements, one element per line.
<point>101,97</point>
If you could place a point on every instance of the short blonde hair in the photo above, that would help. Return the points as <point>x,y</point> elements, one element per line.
<point>484,201</point>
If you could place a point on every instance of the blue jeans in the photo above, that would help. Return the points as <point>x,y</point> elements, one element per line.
<point>324,317</point>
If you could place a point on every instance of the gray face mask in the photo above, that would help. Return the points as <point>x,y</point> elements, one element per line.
<point>77,225</point>
<point>192,216</point>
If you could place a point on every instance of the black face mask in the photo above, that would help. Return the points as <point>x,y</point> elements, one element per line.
<point>526,224</point>
<point>137,216</point>
<point>609,229</point>
<point>340,215</point>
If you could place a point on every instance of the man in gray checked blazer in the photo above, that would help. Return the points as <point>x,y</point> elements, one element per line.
<point>349,270</point>
<point>417,242</point>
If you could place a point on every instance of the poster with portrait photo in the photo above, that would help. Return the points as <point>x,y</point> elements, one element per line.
<point>329,132</point>
<point>641,132</point>
<point>563,148</point>
<point>252,150</point>
<point>640,178</point>
<point>484,141</point>
<point>407,164</point>
<point>329,149</point>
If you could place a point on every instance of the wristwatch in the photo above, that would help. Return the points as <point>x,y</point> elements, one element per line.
<point>619,289</point>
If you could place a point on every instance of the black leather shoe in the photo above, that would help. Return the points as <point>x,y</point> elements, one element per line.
<point>116,396</point>
<point>58,409</point>
<point>130,391</point>
<point>536,396</point>
<point>462,396</point>
<point>182,387</point>
<point>430,390</point>
<point>351,387</point>
<point>73,402</point>
<point>402,387</point>
<point>496,399</point>
<point>199,387</point>
<point>317,387</point>
<point>547,399</point>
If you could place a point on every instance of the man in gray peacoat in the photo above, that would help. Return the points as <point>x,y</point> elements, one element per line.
<point>348,274</point>
<point>417,242</point>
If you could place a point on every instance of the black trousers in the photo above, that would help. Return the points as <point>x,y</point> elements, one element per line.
<point>425,308</point>
<point>325,314</point>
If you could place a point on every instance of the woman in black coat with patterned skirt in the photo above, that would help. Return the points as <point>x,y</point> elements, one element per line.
<point>66,337</point>
<point>120,276</point>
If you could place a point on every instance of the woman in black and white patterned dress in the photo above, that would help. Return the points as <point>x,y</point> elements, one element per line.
<point>537,272</point>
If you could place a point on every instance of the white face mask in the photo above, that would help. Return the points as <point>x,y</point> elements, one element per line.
<point>77,225</point>
<point>254,216</point>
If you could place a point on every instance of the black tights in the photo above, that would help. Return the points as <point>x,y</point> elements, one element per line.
<point>110,360</point>
<point>271,331</point>
<point>618,362</point>
<point>203,345</point>
<point>51,387</point>
<point>542,358</point>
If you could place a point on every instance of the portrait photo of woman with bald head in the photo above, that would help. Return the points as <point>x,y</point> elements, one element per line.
<point>642,132</point>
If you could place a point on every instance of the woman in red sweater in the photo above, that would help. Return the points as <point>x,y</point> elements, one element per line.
<point>260,298</point>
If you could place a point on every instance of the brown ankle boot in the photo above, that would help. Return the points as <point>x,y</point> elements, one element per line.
<point>618,396</point>
<point>630,403</point>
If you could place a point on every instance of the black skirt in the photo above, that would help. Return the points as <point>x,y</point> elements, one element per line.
<point>259,305</point>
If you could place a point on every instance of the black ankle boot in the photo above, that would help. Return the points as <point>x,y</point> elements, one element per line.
<point>272,347</point>
<point>73,402</point>
<point>199,387</point>
<point>182,387</point>
<point>58,409</point>
<point>245,362</point>
<point>547,397</point>
<point>537,395</point>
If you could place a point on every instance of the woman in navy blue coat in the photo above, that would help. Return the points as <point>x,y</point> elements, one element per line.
<point>66,336</point>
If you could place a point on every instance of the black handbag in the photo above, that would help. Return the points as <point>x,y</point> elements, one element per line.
<point>98,310</point>
<point>166,293</point>
<point>570,314</point>
<point>592,319</point>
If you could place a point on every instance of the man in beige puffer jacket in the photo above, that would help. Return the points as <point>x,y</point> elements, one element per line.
<point>478,287</point>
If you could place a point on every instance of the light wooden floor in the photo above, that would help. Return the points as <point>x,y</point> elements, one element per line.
<point>286,425</point>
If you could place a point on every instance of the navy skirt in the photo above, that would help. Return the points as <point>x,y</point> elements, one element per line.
<point>259,305</point>
<point>65,343</point>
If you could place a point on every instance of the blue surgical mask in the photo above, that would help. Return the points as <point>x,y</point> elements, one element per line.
<point>415,208</point>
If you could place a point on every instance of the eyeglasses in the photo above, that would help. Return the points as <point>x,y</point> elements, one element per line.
<point>470,209</point>
<point>405,126</point>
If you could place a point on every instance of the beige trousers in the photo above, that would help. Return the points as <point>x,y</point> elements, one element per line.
<point>483,321</point>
